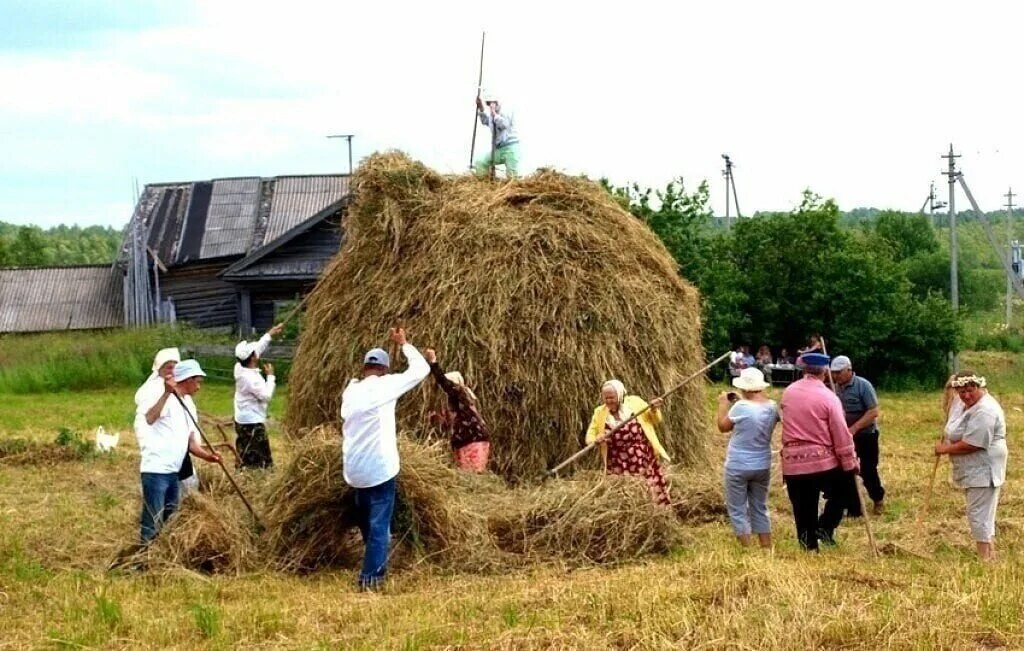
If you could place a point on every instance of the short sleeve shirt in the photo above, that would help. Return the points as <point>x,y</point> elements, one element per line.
<point>858,398</point>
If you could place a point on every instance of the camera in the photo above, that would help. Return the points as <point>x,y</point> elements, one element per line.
<point>732,396</point>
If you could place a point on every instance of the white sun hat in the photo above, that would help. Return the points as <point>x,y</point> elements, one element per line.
<point>750,379</point>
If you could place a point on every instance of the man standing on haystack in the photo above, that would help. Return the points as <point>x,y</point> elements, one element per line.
<point>503,133</point>
<point>817,453</point>
<point>252,397</point>
<point>369,448</point>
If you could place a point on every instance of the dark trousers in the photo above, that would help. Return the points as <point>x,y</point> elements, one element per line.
<point>866,444</point>
<point>159,501</point>
<point>805,492</point>
<point>374,507</point>
<point>253,445</point>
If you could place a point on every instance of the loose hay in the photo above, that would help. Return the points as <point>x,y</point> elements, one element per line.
<point>592,519</point>
<point>537,289</point>
<point>464,522</point>
<point>209,534</point>
<point>310,515</point>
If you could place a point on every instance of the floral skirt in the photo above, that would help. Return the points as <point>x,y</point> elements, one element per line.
<point>473,457</point>
<point>630,453</point>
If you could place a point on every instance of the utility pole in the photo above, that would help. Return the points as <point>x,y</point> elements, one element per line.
<point>1009,244</point>
<point>954,250</point>
<point>730,187</point>
<point>348,137</point>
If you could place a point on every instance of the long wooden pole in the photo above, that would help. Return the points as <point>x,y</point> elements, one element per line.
<point>602,439</point>
<point>220,462</point>
<point>296,309</point>
<point>479,89</point>
<point>856,484</point>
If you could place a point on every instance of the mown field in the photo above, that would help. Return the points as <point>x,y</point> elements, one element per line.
<point>63,519</point>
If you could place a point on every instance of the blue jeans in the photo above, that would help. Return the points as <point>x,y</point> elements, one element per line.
<point>746,497</point>
<point>374,507</point>
<point>159,501</point>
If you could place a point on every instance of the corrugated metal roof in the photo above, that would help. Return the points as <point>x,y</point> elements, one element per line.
<point>60,298</point>
<point>201,220</point>
<point>297,198</point>
<point>234,204</point>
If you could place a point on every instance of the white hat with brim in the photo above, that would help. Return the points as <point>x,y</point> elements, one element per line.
<point>750,379</point>
<point>187,369</point>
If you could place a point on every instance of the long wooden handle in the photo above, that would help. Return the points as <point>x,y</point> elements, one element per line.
<point>220,462</point>
<point>479,84</point>
<point>601,439</point>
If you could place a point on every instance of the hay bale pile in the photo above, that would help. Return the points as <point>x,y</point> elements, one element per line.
<point>309,514</point>
<point>537,289</point>
<point>591,519</point>
<point>463,522</point>
<point>209,533</point>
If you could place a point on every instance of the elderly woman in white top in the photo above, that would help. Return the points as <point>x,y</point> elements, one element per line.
<point>976,445</point>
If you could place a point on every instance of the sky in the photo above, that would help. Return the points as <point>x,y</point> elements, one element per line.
<point>856,101</point>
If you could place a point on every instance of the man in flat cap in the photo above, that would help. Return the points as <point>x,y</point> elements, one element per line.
<point>860,404</point>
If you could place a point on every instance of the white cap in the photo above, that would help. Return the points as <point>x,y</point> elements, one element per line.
<point>165,355</point>
<point>841,363</point>
<point>244,349</point>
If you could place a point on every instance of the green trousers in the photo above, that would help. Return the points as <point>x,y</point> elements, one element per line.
<point>507,156</point>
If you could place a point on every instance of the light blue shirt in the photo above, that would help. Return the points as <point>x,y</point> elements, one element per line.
<point>750,446</point>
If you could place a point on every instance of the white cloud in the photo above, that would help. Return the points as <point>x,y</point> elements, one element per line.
<point>854,101</point>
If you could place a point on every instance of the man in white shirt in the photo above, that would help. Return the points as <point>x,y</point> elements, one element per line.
<point>369,448</point>
<point>169,438</point>
<point>146,397</point>
<point>252,397</point>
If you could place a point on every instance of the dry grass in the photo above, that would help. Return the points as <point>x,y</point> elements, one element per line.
<point>58,531</point>
<point>538,290</point>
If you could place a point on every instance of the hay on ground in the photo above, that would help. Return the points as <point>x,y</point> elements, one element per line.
<point>461,521</point>
<point>591,519</point>
<point>537,289</point>
<point>310,513</point>
<point>210,534</point>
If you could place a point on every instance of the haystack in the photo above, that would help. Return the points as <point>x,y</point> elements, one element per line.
<point>310,510</point>
<point>537,289</point>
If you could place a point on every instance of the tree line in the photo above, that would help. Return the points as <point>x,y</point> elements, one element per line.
<point>32,246</point>
<point>878,289</point>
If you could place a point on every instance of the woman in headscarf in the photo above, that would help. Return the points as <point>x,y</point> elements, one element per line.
<point>634,449</point>
<point>471,442</point>
<point>976,445</point>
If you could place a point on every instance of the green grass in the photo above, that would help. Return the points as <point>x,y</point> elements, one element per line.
<point>49,362</point>
<point>60,525</point>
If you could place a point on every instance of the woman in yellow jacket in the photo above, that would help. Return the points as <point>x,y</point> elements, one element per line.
<point>634,450</point>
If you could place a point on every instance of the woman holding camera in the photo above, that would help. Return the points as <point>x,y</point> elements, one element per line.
<point>748,460</point>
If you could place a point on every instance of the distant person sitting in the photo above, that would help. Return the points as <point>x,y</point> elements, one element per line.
<point>763,362</point>
<point>814,345</point>
<point>748,359</point>
<point>784,358</point>
<point>736,362</point>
